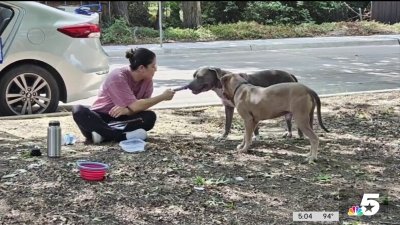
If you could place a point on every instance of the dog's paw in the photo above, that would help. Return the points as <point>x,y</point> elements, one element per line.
<point>312,162</point>
<point>239,147</point>
<point>311,159</point>
<point>242,150</point>
<point>287,135</point>
<point>221,138</point>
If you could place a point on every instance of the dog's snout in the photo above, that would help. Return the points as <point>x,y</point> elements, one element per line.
<point>195,87</point>
<point>191,85</point>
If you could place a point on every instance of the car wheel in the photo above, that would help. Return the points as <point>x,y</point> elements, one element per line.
<point>28,89</point>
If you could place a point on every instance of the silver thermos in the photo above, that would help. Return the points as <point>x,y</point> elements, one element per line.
<point>54,139</point>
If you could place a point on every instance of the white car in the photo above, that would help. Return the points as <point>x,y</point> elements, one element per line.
<point>48,56</point>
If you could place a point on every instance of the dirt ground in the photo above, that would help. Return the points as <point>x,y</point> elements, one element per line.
<point>186,177</point>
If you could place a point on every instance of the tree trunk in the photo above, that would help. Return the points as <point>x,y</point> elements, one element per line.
<point>119,9</point>
<point>191,14</point>
<point>139,13</point>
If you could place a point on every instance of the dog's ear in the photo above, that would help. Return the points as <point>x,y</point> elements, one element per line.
<point>244,76</point>
<point>217,71</point>
<point>223,79</point>
<point>195,73</point>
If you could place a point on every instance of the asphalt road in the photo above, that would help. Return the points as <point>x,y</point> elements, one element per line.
<point>328,71</point>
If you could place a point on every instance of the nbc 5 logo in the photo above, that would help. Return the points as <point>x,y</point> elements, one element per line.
<point>369,206</point>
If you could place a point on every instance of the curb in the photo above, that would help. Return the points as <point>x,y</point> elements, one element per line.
<point>254,45</point>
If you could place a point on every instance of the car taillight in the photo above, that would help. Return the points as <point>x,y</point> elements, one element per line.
<point>86,30</point>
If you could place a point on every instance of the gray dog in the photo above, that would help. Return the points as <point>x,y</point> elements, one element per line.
<point>255,103</point>
<point>208,78</point>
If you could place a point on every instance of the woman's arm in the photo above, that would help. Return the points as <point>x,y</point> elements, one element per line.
<point>143,104</point>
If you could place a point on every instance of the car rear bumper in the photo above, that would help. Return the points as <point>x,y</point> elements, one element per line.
<point>87,87</point>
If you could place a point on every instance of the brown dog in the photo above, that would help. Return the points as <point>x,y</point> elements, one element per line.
<point>208,78</point>
<point>257,103</point>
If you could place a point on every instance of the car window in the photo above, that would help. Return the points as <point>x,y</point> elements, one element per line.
<point>5,17</point>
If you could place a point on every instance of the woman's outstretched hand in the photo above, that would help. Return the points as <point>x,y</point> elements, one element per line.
<point>168,94</point>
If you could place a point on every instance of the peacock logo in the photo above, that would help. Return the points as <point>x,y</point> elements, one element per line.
<point>355,211</point>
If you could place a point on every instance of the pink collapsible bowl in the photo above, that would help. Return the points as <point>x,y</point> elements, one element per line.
<point>92,171</point>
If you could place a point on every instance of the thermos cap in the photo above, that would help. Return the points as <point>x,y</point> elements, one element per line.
<point>54,123</point>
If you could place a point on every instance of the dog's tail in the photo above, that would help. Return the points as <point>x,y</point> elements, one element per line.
<point>318,101</point>
<point>294,78</point>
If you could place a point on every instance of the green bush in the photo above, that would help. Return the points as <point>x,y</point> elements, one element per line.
<point>205,34</point>
<point>248,30</point>
<point>274,12</point>
<point>278,12</point>
<point>215,12</point>
<point>326,11</point>
<point>375,27</point>
<point>223,31</point>
<point>145,32</point>
<point>121,33</point>
<point>396,27</point>
<point>180,34</point>
<point>312,29</point>
<point>117,33</point>
<point>363,28</point>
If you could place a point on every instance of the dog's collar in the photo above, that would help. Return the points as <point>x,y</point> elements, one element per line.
<point>237,87</point>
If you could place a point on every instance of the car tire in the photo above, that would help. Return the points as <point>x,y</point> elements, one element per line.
<point>28,89</point>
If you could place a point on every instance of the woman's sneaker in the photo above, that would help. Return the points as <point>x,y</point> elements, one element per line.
<point>96,138</point>
<point>137,134</point>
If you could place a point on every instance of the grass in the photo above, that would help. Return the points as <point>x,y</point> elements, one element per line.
<point>121,33</point>
<point>324,178</point>
<point>199,181</point>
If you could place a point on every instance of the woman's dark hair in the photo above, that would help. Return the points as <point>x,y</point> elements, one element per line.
<point>139,56</point>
